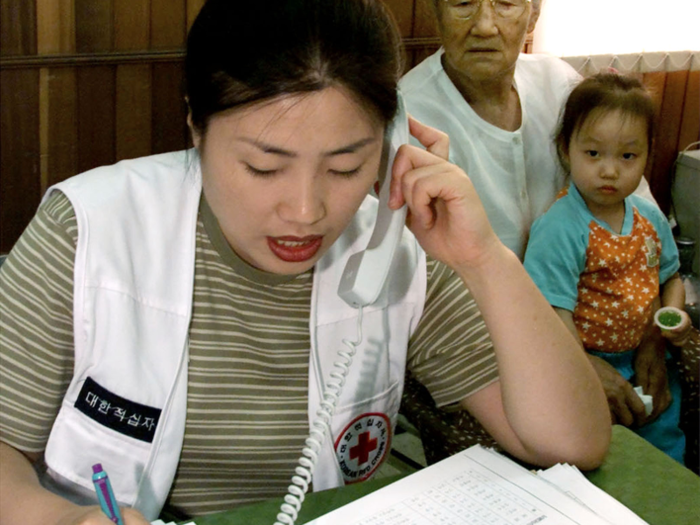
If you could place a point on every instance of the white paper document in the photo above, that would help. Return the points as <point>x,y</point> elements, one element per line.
<point>161,522</point>
<point>475,487</point>
<point>571,481</point>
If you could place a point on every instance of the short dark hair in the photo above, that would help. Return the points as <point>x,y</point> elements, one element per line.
<point>607,92</point>
<point>243,52</point>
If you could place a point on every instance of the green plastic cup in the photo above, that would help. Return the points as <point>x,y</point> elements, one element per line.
<point>668,318</point>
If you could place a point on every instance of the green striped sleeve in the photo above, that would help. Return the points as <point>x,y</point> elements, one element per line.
<point>451,351</point>
<point>36,326</point>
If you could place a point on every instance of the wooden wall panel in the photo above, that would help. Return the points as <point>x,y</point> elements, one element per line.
<point>425,39</point>
<point>133,111</point>
<point>655,84</point>
<point>94,25</point>
<point>96,117</point>
<point>62,126</point>
<point>17,27</point>
<point>425,24</point>
<point>89,82</point>
<point>193,8</point>
<point>132,25</point>
<point>168,24</point>
<point>55,26</point>
<point>57,92</point>
<point>403,14</point>
<point>420,53</point>
<point>690,126</point>
<point>670,109</point>
<point>169,108</point>
<point>19,152</point>
<point>44,96</point>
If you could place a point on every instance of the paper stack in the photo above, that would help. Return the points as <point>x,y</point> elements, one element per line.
<point>481,486</point>
<point>161,522</point>
<point>569,480</point>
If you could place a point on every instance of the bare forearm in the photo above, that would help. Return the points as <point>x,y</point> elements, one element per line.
<point>673,292</point>
<point>547,380</point>
<point>23,500</point>
<point>567,318</point>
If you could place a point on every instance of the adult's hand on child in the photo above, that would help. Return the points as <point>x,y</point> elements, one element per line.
<point>625,406</point>
<point>651,373</point>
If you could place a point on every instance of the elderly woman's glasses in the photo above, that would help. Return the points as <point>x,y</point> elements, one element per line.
<point>506,9</point>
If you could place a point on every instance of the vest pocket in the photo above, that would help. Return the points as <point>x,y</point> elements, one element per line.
<point>77,442</point>
<point>363,432</point>
<point>383,401</point>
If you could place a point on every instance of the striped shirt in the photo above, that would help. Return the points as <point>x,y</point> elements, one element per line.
<point>249,358</point>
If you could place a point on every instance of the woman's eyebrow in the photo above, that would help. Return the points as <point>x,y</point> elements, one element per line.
<point>274,150</point>
<point>351,148</point>
<point>267,148</point>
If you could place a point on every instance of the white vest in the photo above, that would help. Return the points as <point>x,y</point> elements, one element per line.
<point>133,292</point>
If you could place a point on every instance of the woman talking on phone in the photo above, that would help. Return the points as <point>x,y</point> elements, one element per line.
<point>176,317</point>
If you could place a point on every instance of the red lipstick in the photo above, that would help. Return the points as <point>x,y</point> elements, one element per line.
<point>295,249</point>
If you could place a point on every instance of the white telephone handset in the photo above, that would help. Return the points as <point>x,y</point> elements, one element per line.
<point>361,283</point>
<point>366,271</point>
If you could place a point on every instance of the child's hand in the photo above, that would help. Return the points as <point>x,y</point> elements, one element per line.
<point>680,334</point>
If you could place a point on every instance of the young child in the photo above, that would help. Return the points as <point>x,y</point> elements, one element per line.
<point>606,259</point>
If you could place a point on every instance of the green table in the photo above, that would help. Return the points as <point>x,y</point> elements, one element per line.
<point>658,489</point>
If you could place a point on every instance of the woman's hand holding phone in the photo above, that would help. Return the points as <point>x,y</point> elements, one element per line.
<point>445,213</point>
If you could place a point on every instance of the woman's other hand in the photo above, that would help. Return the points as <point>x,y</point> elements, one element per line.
<point>24,501</point>
<point>95,516</point>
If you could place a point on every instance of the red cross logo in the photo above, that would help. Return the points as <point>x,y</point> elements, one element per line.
<point>364,446</point>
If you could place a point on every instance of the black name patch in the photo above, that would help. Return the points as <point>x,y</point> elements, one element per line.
<point>121,415</point>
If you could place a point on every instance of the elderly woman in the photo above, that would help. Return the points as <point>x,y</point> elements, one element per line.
<point>498,106</point>
<point>500,109</point>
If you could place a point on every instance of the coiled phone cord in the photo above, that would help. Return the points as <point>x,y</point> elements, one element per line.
<point>289,510</point>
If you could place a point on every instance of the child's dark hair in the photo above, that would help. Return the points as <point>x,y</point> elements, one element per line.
<point>243,52</point>
<point>606,92</point>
